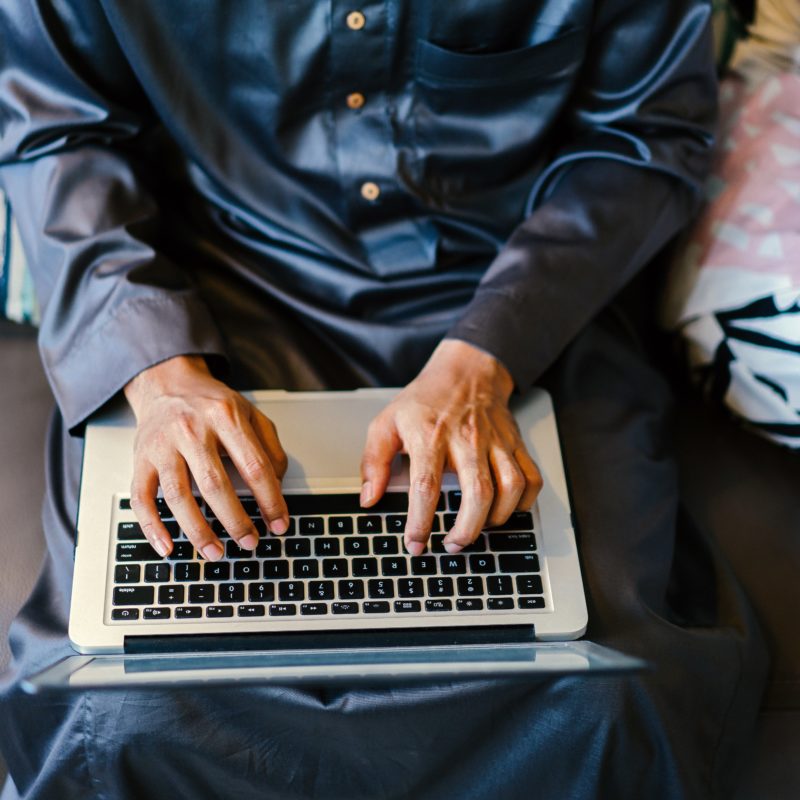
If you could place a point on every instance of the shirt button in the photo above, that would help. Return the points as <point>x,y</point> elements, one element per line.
<point>370,191</point>
<point>355,100</point>
<point>356,20</point>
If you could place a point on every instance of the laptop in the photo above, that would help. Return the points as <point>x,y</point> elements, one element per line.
<point>337,599</point>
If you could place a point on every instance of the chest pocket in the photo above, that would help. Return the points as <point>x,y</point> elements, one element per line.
<point>479,118</point>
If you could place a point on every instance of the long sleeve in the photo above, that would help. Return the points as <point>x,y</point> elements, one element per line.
<point>635,146</point>
<point>72,120</point>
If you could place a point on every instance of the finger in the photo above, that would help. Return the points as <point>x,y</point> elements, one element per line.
<point>509,482</point>
<point>477,494</point>
<point>268,436</point>
<point>144,488</point>
<point>533,479</point>
<point>254,465</point>
<point>176,486</point>
<point>383,444</point>
<point>205,465</point>
<point>426,463</point>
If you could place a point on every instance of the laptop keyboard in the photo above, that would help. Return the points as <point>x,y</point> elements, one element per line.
<point>336,559</point>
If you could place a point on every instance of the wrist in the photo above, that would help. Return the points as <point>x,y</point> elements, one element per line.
<point>457,359</point>
<point>162,378</point>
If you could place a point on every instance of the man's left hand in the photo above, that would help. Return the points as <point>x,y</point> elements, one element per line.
<point>453,415</point>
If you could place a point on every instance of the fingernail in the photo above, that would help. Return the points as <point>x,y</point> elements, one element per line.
<point>249,542</point>
<point>452,547</point>
<point>212,552</point>
<point>415,548</point>
<point>278,526</point>
<point>366,493</point>
<point>162,548</point>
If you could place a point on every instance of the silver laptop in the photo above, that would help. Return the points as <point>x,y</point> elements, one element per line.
<point>337,599</point>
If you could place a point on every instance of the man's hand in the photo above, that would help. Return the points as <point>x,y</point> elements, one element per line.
<point>186,419</point>
<point>454,414</point>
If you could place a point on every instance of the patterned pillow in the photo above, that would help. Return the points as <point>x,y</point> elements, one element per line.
<point>17,299</point>
<point>735,292</point>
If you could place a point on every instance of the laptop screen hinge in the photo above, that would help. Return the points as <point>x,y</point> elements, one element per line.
<point>332,640</point>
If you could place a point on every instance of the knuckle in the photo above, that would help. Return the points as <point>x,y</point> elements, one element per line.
<point>173,489</point>
<point>223,410</point>
<point>426,485</point>
<point>255,470</point>
<point>481,488</point>
<point>209,481</point>
<point>512,481</point>
<point>185,424</point>
<point>274,509</point>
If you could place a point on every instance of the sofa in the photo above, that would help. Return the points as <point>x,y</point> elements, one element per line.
<point>732,481</point>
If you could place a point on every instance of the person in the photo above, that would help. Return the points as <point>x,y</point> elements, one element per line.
<point>216,196</point>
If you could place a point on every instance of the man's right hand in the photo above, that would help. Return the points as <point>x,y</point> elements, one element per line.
<point>186,420</point>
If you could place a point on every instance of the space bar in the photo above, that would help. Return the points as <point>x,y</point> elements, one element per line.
<point>299,504</point>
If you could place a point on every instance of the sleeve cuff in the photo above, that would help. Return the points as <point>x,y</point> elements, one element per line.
<point>142,332</point>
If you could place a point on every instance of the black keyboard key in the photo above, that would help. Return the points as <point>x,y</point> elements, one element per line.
<point>163,509</point>
<point>436,525</point>
<point>187,571</point>
<point>478,546</point>
<point>334,567</point>
<point>127,573</point>
<point>500,603</point>
<point>356,547</point>
<point>250,505</point>
<point>449,521</point>
<point>310,504</point>
<point>260,526</point>
<point>305,568</point>
<point>233,551</point>
<point>437,543</point>
<point>350,590</point>
<point>410,587</point>
<point>394,566</point>
<point>512,542</point>
<point>314,609</point>
<point>370,524</point>
<point>529,584</point>
<point>182,551</point>
<point>440,587</point>
<point>216,571</point>
<point>530,602</point>
<point>470,585</point>
<point>291,590</point>
<point>133,595</point>
<point>499,584</point>
<point>380,588</point>
<point>129,530</point>
<point>376,607</point>
<point>124,614</point>
<point>298,548</point>
<point>125,504</point>
<point>438,605</point>
<point>250,611</point>
<point>340,525</point>
<point>454,500</point>
<point>396,523</point>
<point>173,529</point>
<point>219,529</point>
<point>423,565</point>
<point>469,604</point>
<point>276,569</point>
<point>246,570</point>
<point>453,565</point>
<point>518,521</point>
<point>345,608</point>
<point>282,610</point>
<point>157,613</point>
<point>327,546</point>
<point>527,562</point>
<point>311,526</point>
<point>171,595</point>
<point>157,573</point>
<point>365,567</point>
<point>320,590</point>
<point>482,564</point>
<point>201,593</point>
<point>216,612</point>
<point>231,593</point>
<point>407,606</point>
<point>385,546</point>
<point>136,551</point>
<point>188,612</point>
<point>270,547</point>
<point>261,592</point>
